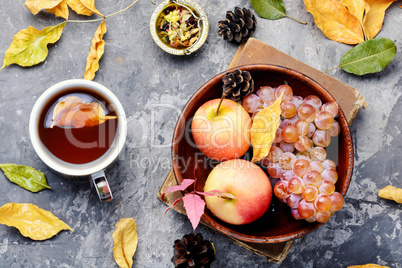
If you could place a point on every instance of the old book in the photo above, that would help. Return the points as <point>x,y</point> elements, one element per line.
<point>256,52</point>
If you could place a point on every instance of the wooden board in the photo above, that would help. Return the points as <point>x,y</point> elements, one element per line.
<point>253,52</point>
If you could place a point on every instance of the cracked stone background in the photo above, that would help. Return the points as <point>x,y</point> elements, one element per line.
<point>153,88</point>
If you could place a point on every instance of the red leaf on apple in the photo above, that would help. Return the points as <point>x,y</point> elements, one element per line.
<point>194,206</point>
<point>185,183</point>
<point>217,193</point>
<point>172,205</point>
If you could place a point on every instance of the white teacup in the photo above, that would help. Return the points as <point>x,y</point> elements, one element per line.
<point>94,169</point>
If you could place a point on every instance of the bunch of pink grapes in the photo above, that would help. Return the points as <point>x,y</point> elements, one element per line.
<point>298,157</point>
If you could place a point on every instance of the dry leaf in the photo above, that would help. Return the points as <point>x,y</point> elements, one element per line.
<point>84,7</point>
<point>31,221</point>
<point>357,7</point>
<point>263,130</point>
<point>391,193</point>
<point>29,46</point>
<point>125,242</point>
<point>335,21</point>
<point>375,17</point>
<point>60,10</point>
<point>96,52</point>
<point>368,265</point>
<point>73,112</point>
<point>56,7</point>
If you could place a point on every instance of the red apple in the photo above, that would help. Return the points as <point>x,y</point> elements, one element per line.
<point>221,136</point>
<point>247,182</point>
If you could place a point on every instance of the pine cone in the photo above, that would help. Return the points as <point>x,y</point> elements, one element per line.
<point>238,25</point>
<point>237,84</point>
<point>193,251</point>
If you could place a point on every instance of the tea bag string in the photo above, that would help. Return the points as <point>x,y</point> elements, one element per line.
<point>187,51</point>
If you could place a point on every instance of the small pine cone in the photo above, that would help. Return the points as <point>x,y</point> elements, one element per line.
<point>193,251</point>
<point>237,84</point>
<point>238,25</point>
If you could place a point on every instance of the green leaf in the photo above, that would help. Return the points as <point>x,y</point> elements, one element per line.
<point>371,56</point>
<point>26,177</point>
<point>29,46</point>
<point>269,9</point>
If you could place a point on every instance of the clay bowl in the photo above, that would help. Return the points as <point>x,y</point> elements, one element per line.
<point>277,225</point>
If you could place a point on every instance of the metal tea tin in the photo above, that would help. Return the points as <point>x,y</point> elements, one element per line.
<point>198,14</point>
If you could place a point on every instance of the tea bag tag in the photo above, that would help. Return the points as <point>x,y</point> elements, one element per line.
<point>102,186</point>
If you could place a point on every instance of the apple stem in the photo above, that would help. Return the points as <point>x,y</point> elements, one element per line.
<point>217,110</point>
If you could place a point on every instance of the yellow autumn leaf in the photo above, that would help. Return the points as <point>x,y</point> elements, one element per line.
<point>31,221</point>
<point>374,18</point>
<point>29,46</point>
<point>335,21</point>
<point>357,7</point>
<point>60,10</point>
<point>263,129</point>
<point>368,265</point>
<point>56,7</point>
<point>125,242</point>
<point>74,112</point>
<point>96,52</point>
<point>84,7</point>
<point>391,193</point>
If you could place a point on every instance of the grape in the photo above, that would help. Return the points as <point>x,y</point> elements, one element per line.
<point>306,112</point>
<point>268,102</point>
<point>324,120</point>
<point>311,130</point>
<point>293,119</point>
<point>326,187</point>
<point>289,133</point>
<point>296,185</point>
<point>318,153</point>
<point>295,214</point>
<point>317,165</point>
<point>323,203</point>
<point>293,200</point>
<point>331,107</point>
<point>322,217</point>
<point>281,190</point>
<point>337,201</point>
<point>321,138</point>
<point>266,92</point>
<point>309,193</point>
<point>313,101</point>
<point>302,127</point>
<point>255,113</point>
<point>286,175</point>
<point>265,161</point>
<point>303,144</point>
<point>312,177</point>
<point>285,122</point>
<point>312,219</point>
<point>330,175</point>
<point>329,164</point>
<point>335,129</point>
<point>287,92</point>
<point>297,100</point>
<point>274,170</point>
<point>288,109</point>
<point>306,209</point>
<point>301,167</point>
<point>286,160</point>
<point>252,102</point>
<point>287,147</point>
<point>274,154</point>
<point>278,137</point>
<point>304,155</point>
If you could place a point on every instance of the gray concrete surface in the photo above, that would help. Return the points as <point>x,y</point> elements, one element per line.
<point>153,87</point>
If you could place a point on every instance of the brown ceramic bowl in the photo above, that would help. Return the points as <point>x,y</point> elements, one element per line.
<point>277,225</point>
